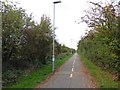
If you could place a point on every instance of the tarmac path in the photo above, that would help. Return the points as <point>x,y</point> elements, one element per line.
<point>72,74</point>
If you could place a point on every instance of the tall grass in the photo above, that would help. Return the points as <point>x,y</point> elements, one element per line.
<point>103,78</point>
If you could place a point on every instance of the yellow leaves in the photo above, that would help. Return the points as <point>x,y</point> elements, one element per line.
<point>106,7</point>
<point>114,56</point>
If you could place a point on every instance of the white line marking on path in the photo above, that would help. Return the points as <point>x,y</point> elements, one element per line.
<point>73,65</point>
<point>73,62</point>
<point>72,69</point>
<point>70,75</point>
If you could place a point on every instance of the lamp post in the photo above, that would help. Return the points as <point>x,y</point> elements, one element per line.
<point>53,57</point>
<point>119,8</point>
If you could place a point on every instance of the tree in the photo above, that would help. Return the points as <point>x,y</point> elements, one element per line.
<point>101,44</point>
<point>26,46</point>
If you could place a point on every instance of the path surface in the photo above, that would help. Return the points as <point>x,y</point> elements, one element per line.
<point>72,74</point>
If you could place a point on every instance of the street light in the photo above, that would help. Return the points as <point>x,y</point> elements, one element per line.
<point>119,8</point>
<point>53,57</point>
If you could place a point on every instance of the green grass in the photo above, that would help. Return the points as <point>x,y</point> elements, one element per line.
<point>103,78</point>
<point>36,77</point>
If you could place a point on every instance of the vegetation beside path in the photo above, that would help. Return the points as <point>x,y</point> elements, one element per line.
<point>103,78</point>
<point>26,46</point>
<point>39,75</point>
<point>100,47</point>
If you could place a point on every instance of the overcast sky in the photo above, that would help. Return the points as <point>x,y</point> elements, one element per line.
<point>69,32</point>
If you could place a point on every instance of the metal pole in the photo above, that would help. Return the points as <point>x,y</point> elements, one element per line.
<point>53,57</point>
<point>71,43</point>
<point>119,8</point>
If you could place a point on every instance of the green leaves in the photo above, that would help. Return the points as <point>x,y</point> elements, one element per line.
<point>26,45</point>
<point>101,45</point>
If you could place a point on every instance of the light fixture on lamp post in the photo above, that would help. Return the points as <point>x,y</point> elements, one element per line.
<point>53,56</point>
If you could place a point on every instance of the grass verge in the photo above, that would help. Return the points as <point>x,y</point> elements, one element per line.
<point>39,75</point>
<point>103,79</point>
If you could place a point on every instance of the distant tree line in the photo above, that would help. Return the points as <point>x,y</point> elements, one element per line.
<point>101,44</point>
<point>26,45</point>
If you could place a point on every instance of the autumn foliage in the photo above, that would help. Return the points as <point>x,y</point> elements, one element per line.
<point>26,45</point>
<point>101,44</point>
